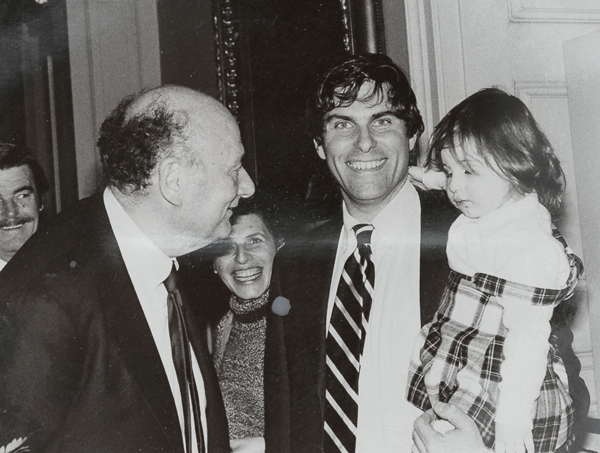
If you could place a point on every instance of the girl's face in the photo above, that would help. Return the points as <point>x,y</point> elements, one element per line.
<point>473,187</point>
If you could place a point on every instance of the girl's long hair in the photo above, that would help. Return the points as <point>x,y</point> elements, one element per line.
<point>508,138</point>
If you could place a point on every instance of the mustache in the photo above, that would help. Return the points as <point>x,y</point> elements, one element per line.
<point>16,221</point>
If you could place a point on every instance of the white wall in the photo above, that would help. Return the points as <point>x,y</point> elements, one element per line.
<point>582,57</point>
<point>114,52</point>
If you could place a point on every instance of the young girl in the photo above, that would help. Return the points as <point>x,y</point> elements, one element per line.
<point>487,350</point>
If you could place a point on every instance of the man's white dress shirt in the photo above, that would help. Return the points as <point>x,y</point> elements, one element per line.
<point>148,267</point>
<point>385,418</point>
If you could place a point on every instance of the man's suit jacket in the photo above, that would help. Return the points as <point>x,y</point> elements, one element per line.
<point>80,371</point>
<point>295,350</point>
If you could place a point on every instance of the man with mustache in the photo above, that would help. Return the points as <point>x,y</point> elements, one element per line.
<point>22,181</point>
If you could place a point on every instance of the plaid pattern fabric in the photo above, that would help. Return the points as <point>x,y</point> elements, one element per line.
<point>458,356</point>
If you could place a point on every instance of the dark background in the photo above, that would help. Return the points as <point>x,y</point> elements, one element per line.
<point>280,47</point>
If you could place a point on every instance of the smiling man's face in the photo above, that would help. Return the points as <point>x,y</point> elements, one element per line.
<point>19,209</point>
<point>367,149</point>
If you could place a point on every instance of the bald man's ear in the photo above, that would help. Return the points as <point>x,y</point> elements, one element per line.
<point>170,180</point>
<point>320,150</point>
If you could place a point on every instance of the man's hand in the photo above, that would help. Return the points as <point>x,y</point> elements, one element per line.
<point>248,445</point>
<point>427,179</point>
<point>464,438</point>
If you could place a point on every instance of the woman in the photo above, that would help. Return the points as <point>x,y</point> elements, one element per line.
<point>246,269</point>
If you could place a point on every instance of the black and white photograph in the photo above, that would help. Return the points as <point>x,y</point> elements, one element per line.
<point>299,226</point>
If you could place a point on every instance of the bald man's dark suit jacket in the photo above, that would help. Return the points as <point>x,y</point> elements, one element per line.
<point>79,369</point>
<point>295,350</point>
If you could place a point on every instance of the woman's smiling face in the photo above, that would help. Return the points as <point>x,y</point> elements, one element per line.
<point>247,268</point>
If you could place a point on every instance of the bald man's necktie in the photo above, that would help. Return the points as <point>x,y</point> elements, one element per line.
<point>345,343</point>
<point>182,358</point>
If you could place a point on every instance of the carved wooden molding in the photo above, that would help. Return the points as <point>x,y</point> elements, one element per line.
<point>226,32</point>
<point>580,11</point>
<point>347,18</point>
<point>365,20</point>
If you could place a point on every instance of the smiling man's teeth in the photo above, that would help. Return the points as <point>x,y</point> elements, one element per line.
<point>12,227</point>
<point>247,275</point>
<point>368,165</point>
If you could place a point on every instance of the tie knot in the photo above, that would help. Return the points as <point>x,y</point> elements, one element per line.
<point>171,281</point>
<point>363,233</point>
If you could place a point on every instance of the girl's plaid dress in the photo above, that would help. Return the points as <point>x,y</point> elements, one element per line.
<point>462,345</point>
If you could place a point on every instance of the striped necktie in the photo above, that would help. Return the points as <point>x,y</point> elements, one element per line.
<point>182,358</point>
<point>345,343</point>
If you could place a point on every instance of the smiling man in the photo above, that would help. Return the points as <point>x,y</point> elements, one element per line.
<point>361,284</point>
<point>364,121</point>
<point>366,145</point>
<point>22,181</point>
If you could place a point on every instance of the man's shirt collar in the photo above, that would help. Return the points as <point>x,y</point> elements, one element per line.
<point>148,266</point>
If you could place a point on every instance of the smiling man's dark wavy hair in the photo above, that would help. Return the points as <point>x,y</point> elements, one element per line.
<point>339,87</point>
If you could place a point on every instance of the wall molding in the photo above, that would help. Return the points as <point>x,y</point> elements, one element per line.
<point>529,92</point>
<point>587,367</point>
<point>526,91</point>
<point>436,58</point>
<point>449,54</point>
<point>587,360</point>
<point>420,63</point>
<point>569,11</point>
<point>539,96</point>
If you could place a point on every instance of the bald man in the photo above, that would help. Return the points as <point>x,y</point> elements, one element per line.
<point>87,360</point>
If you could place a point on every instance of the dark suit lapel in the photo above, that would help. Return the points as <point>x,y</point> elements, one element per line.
<point>437,214</point>
<point>305,333</point>
<point>218,435</point>
<point>131,334</point>
<point>322,276</point>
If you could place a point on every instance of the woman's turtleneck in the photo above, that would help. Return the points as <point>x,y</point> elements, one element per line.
<point>249,310</point>
<point>239,360</point>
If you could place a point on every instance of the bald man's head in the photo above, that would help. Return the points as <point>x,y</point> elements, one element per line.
<point>173,159</point>
<point>171,95</point>
<point>153,125</point>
